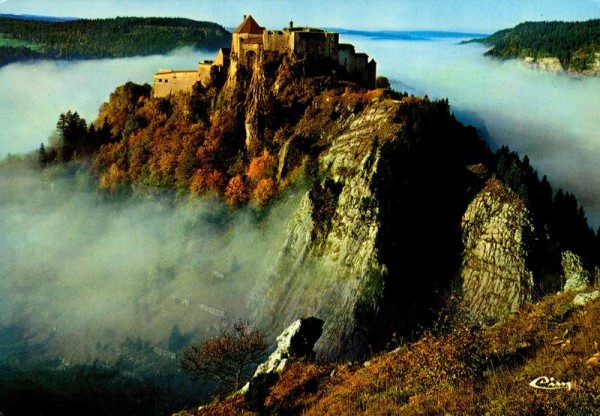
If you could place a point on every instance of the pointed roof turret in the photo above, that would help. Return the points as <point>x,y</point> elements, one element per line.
<point>249,25</point>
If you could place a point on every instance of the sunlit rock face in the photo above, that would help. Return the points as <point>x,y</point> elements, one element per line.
<point>369,248</point>
<point>551,64</point>
<point>495,278</point>
<point>329,263</point>
<point>575,275</point>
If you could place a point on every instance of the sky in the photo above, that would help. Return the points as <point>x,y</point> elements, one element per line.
<point>481,16</point>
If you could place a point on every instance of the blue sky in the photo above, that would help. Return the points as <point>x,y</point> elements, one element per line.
<point>484,16</point>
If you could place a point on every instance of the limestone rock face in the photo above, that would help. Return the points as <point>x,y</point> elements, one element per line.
<point>581,299</point>
<point>329,262</point>
<point>296,342</point>
<point>576,276</point>
<point>495,278</point>
<point>258,95</point>
<point>550,64</point>
<point>369,248</point>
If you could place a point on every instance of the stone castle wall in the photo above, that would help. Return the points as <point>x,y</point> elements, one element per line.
<point>357,65</point>
<point>167,82</point>
<point>204,69</point>
<point>315,44</point>
<point>277,40</point>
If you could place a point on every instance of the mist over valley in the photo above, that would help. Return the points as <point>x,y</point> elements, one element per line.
<point>548,116</point>
<point>88,279</point>
<point>125,284</point>
<point>35,93</point>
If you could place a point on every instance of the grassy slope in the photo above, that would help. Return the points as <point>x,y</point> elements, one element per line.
<point>458,370</point>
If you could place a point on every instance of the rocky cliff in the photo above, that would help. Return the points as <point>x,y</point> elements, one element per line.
<point>379,170</point>
<point>546,64</point>
<point>575,275</point>
<point>376,242</point>
<point>330,262</point>
<point>495,276</point>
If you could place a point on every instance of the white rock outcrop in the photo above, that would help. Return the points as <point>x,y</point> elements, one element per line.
<point>574,272</point>
<point>582,299</point>
<point>551,64</point>
<point>495,278</point>
<point>295,342</point>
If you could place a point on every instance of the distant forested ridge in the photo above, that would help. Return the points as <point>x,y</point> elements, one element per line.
<point>104,38</point>
<point>576,45</point>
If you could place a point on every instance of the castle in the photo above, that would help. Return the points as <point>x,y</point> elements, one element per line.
<point>249,40</point>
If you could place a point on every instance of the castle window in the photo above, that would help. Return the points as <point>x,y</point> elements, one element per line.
<point>166,80</point>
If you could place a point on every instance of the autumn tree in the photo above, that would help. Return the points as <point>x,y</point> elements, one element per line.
<point>113,180</point>
<point>261,167</point>
<point>236,192</point>
<point>204,180</point>
<point>265,191</point>
<point>261,172</point>
<point>228,358</point>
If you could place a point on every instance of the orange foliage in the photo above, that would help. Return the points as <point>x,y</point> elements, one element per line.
<point>152,111</point>
<point>236,192</point>
<point>265,191</point>
<point>112,179</point>
<point>296,388</point>
<point>166,162</point>
<point>204,180</point>
<point>263,166</point>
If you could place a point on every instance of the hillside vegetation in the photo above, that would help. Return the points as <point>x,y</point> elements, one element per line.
<point>388,179</point>
<point>575,44</point>
<point>193,144</point>
<point>104,38</point>
<point>455,369</point>
<point>197,144</point>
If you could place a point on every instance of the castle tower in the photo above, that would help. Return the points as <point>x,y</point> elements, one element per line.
<point>246,40</point>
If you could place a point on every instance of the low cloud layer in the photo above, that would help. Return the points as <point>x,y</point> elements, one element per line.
<point>32,95</point>
<point>73,267</point>
<point>81,271</point>
<point>550,117</point>
<point>553,118</point>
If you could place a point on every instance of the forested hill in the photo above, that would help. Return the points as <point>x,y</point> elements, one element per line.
<point>575,44</point>
<point>104,38</point>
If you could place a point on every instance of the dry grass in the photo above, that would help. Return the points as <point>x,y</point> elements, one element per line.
<point>459,371</point>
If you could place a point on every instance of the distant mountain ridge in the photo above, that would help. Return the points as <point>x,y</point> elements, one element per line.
<point>38,17</point>
<point>408,34</point>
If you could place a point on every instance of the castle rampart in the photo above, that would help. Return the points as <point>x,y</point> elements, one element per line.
<point>168,81</point>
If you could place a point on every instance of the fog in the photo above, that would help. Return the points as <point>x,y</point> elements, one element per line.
<point>33,94</point>
<point>82,274</point>
<point>553,118</point>
<point>76,268</point>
